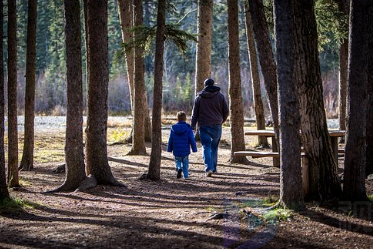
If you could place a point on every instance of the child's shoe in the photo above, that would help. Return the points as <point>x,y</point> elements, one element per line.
<point>179,173</point>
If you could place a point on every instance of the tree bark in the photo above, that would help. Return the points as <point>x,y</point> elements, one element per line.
<point>154,171</point>
<point>85,10</point>
<point>291,194</point>
<point>74,148</point>
<point>343,73</point>
<point>343,67</point>
<point>27,162</point>
<point>13,180</point>
<point>125,11</point>
<point>324,183</point>
<point>355,154</point>
<point>235,92</point>
<point>258,103</point>
<point>4,193</point>
<point>203,47</point>
<point>138,140</point>
<point>266,58</point>
<point>369,129</point>
<point>98,78</point>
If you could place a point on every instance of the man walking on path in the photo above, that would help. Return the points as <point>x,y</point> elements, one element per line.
<point>210,111</point>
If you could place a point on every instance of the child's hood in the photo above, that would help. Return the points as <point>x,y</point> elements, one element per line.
<point>180,127</point>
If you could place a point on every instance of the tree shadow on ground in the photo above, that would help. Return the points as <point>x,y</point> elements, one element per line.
<point>126,230</point>
<point>345,223</point>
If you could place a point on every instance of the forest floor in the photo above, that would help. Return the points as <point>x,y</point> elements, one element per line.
<point>172,213</point>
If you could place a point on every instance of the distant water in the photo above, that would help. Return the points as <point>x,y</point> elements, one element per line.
<point>54,123</point>
<point>58,123</point>
<point>333,123</point>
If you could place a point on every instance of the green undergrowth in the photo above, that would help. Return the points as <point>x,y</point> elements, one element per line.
<point>266,208</point>
<point>16,205</point>
<point>271,200</point>
<point>281,214</point>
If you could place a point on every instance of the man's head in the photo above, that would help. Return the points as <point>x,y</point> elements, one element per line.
<point>209,82</point>
<point>181,116</point>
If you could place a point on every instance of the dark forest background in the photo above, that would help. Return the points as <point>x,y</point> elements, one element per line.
<point>178,92</point>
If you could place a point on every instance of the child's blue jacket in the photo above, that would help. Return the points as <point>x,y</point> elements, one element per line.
<point>181,139</point>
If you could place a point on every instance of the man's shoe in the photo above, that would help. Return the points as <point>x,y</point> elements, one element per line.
<point>179,173</point>
<point>209,173</point>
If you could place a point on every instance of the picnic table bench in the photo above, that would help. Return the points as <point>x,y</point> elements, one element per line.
<point>334,135</point>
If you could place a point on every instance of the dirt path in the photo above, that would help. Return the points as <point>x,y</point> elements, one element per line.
<point>174,213</point>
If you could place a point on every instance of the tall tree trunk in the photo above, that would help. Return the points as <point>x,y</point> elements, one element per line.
<point>324,183</point>
<point>4,193</point>
<point>258,103</point>
<point>343,73</point>
<point>369,150</point>
<point>85,10</point>
<point>343,67</point>
<point>138,140</point>
<point>291,194</point>
<point>126,19</point>
<point>27,162</point>
<point>355,155</point>
<point>266,58</point>
<point>148,122</point>
<point>235,92</point>
<point>98,78</point>
<point>125,12</point>
<point>369,129</point>
<point>74,149</point>
<point>203,47</point>
<point>154,171</point>
<point>12,96</point>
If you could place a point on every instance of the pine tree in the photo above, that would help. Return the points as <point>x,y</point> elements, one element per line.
<point>27,162</point>
<point>154,171</point>
<point>12,96</point>
<point>4,194</point>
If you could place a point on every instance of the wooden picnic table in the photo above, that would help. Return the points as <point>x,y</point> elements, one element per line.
<point>271,134</point>
<point>334,135</point>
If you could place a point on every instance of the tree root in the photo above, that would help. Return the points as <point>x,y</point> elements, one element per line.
<point>63,188</point>
<point>26,167</point>
<point>88,183</point>
<point>137,153</point>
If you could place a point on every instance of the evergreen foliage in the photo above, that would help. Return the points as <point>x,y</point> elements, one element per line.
<point>179,54</point>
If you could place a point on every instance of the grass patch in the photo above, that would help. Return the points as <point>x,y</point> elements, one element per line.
<point>370,197</point>
<point>16,205</point>
<point>271,200</point>
<point>283,214</point>
<point>118,135</point>
<point>278,214</point>
<point>24,182</point>
<point>47,156</point>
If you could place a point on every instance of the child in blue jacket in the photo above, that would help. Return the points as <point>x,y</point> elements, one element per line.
<point>180,141</point>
